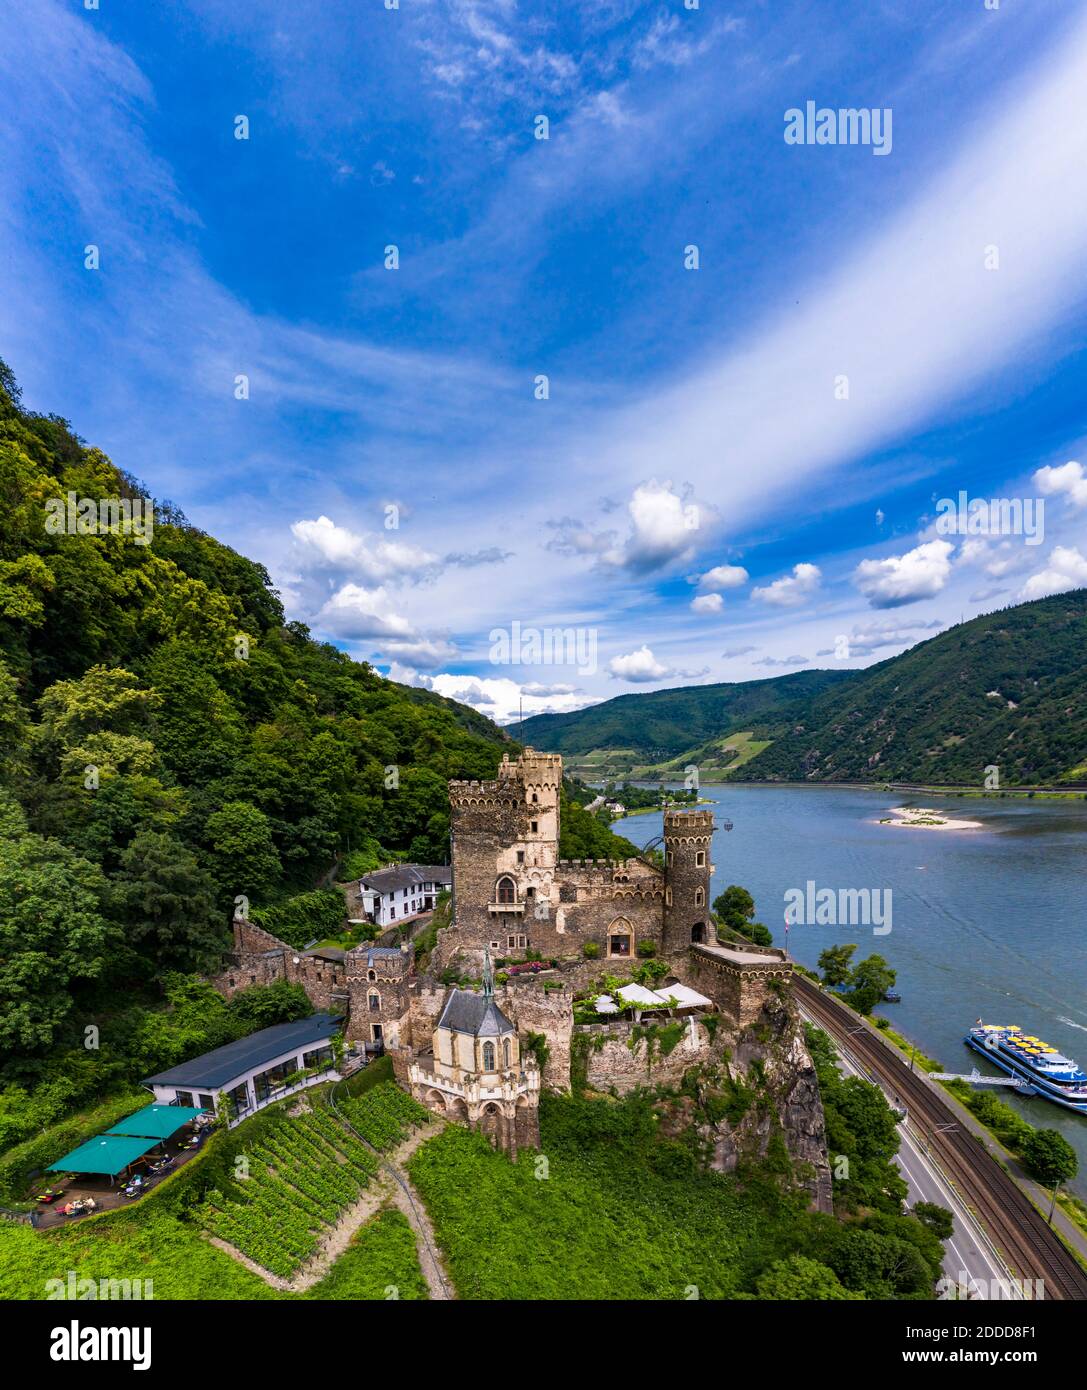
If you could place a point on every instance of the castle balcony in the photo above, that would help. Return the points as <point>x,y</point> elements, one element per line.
<point>518,909</point>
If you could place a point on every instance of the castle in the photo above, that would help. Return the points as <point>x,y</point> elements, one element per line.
<point>482,1056</point>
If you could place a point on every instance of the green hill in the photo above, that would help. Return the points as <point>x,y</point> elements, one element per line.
<point>1008,688</point>
<point>664,724</point>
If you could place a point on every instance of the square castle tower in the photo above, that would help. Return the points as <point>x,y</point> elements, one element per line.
<point>512,892</point>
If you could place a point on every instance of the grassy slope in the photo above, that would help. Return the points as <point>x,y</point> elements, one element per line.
<point>149,1242</point>
<point>603,1221</point>
<point>711,759</point>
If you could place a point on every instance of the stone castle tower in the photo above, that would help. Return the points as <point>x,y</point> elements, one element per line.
<point>512,893</point>
<point>687,840</point>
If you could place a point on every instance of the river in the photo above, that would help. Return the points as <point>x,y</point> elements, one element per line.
<point>985,923</point>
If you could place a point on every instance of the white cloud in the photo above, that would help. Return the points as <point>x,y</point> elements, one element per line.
<point>408,675</point>
<point>792,590</point>
<point>1069,478</point>
<point>324,545</point>
<point>539,690</point>
<point>502,699</point>
<point>919,573</point>
<point>863,641</point>
<point>708,603</point>
<point>354,613</point>
<point>723,577</point>
<point>418,651</point>
<point>638,666</point>
<point>783,661</point>
<point>1066,569</point>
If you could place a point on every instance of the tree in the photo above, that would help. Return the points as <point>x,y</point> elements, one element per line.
<point>53,933</point>
<point>168,903</point>
<point>1050,1159</point>
<point>735,907</point>
<point>242,850</point>
<point>869,982</point>
<point>836,963</point>
<point>261,1006</point>
<point>880,1265</point>
<point>938,1219</point>
<point>798,1279</point>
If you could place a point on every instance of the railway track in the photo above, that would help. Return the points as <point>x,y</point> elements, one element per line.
<point>1020,1232</point>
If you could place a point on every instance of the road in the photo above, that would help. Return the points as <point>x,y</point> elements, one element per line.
<point>969,1253</point>
<point>1014,1226</point>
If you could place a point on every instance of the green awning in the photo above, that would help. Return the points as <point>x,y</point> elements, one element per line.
<point>155,1121</point>
<point>109,1153</point>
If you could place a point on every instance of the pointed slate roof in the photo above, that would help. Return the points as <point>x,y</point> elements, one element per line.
<point>477,1014</point>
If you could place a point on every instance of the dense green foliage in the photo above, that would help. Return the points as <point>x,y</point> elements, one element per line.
<point>135,1042</point>
<point>304,918</point>
<point>861,1129</point>
<point>862,985</point>
<point>583,835</point>
<point>735,910</point>
<point>611,1209</point>
<point>1005,689</point>
<point>169,745</point>
<point>1049,1158</point>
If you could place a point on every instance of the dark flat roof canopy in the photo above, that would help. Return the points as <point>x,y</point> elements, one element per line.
<point>224,1064</point>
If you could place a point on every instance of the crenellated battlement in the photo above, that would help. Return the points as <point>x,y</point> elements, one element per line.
<point>688,825</point>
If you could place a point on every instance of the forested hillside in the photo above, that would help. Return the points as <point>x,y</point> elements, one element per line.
<point>168,743</point>
<point>1007,689</point>
<point>662,724</point>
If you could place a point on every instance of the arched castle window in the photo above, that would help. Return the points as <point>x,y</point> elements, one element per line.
<point>505,1052</point>
<point>620,938</point>
<point>535,798</point>
<point>668,897</point>
<point>488,1056</point>
<point>507,891</point>
<point>371,974</point>
<point>375,1001</point>
<point>700,897</point>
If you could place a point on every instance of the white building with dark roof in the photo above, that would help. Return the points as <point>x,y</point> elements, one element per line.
<point>254,1070</point>
<point>393,894</point>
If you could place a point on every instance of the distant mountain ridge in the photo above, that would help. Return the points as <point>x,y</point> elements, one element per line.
<point>1007,689</point>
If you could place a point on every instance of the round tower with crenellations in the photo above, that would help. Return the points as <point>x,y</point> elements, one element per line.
<point>688,836</point>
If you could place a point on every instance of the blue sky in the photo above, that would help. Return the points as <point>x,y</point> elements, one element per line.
<point>697,491</point>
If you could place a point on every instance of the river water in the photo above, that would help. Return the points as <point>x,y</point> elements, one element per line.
<point>988,923</point>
